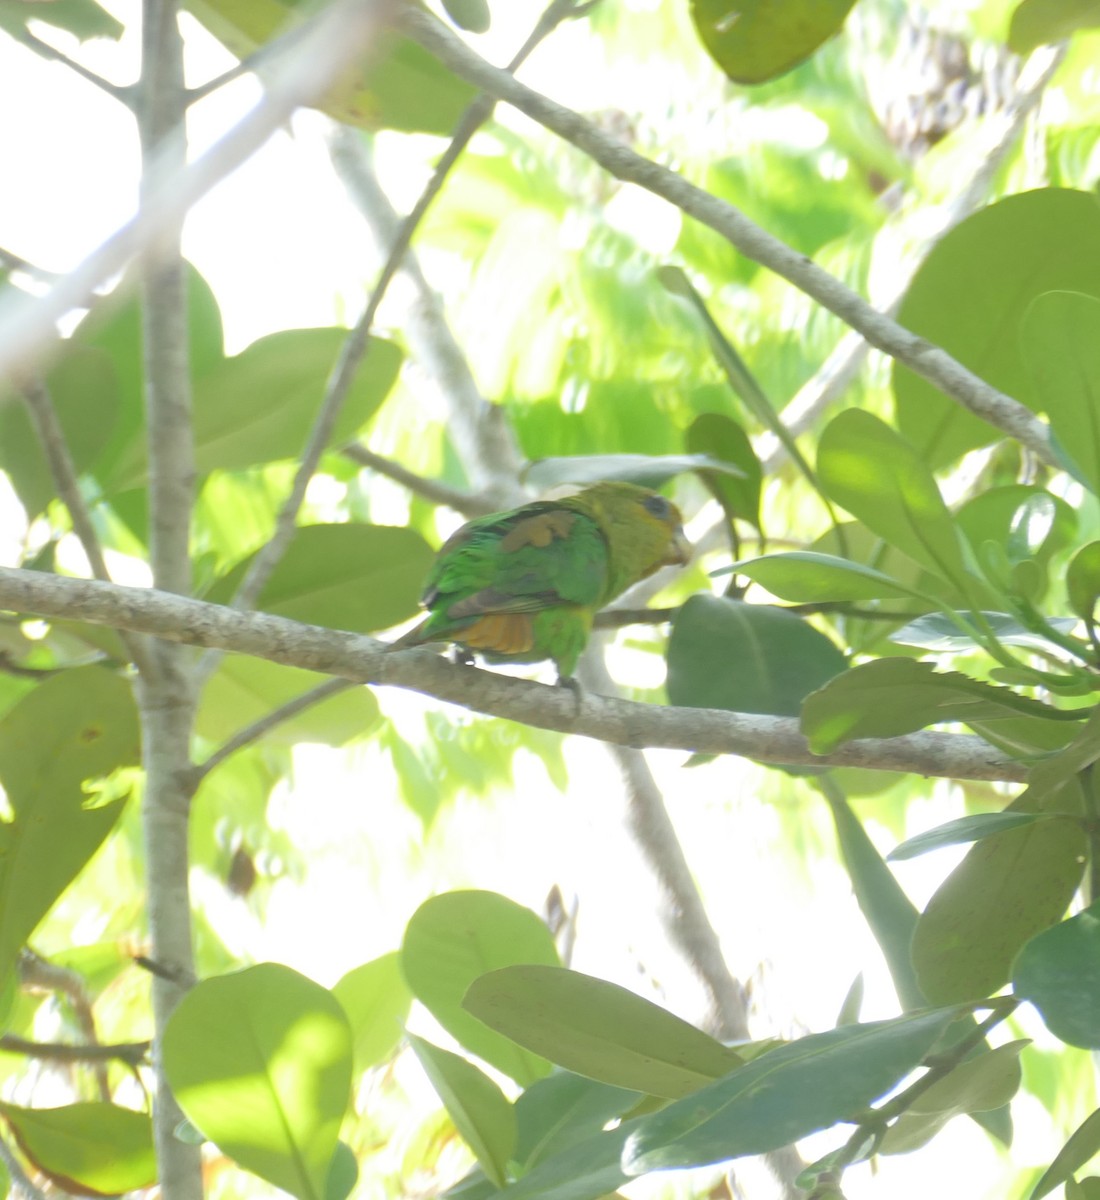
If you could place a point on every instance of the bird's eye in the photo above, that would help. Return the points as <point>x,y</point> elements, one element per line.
<point>657,505</point>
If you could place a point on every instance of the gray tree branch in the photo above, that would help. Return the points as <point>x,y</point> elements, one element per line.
<point>165,689</point>
<point>927,360</point>
<point>364,659</point>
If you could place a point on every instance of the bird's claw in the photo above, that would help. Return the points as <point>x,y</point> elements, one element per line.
<point>572,685</point>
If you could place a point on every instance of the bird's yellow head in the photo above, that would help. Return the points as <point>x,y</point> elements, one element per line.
<point>643,531</point>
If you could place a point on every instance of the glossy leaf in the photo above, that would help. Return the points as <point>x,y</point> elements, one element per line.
<point>1058,970</point>
<point>807,576</point>
<point>964,829</point>
<point>1009,887</point>
<point>936,632</point>
<point>1060,343</point>
<point>404,87</point>
<point>885,482</point>
<point>785,1094</point>
<point>357,577</point>
<point>471,15</point>
<point>95,1149</point>
<point>557,1112</point>
<point>343,1173</point>
<point>1035,22</point>
<point>756,40</point>
<point>84,19</point>
<point>892,696</point>
<point>1082,1146</point>
<point>114,328</point>
<point>724,653</point>
<point>260,405</point>
<point>482,1115</point>
<point>77,726</point>
<point>980,1084</point>
<point>889,912</point>
<point>82,390</point>
<point>649,470</point>
<point>586,1170</point>
<point>1083,580</point>
<point>454,938</point>
<point>260,1062</point>
<point>719,437</point>
<point>598,1029</point>
<point>970,295</point>
<point>376,1001</point>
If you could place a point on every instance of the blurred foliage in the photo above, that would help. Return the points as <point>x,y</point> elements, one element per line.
<point>911,568</point>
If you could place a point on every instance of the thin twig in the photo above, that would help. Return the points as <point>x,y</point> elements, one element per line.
<point>927,360</point>
<point>135,1054</point>
<point>258,728</point>
<point>481,436</point>
<point>366,660</point>
<point>469,504</point>
<point>51,437</point>
<point>124,95</point>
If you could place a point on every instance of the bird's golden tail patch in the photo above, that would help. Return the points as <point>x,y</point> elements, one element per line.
<point>502,633</point>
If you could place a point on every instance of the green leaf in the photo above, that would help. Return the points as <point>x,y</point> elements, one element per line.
<point>969,296</point>
<point>964,829</point>
<point>114,328</point>
<point>1035,22</point>
<point>260,1061</point>
<point>555,1113</point>
<point>598,1029</point>
<point>356,577</point>
<point>1082,1146</point>
<point>343,1173</point>
<point>889,912</point>
<point>1083,580</point>
<point>1042,523</point>
<point>807,577</point>
<point>756,40</point>
<point>260,405</point>
<point>77,726</point>
<point>717,436</point>
<point>937,632</point>
<point>1060,343</point>
<point>649,470</point>
<point>483,1117</point>
<point>892,696</point>
<point>82,390</point>
<point>452,939</point>
<point>980,1084</point>
<point>1009,887</point>
<point>880,478</point>
<point>94,1149</point>
<point>1058,970</point>
<point>785,1094</point>
<point>242,690</point>
<point>404,87</point>
<point>724,653</point>
<point>586,1170</point>
<point>471,15</point>
<point>84,19</point>
<point>376,1001</point>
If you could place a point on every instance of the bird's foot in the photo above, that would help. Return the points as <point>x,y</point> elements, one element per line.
<point>572,685</point>
<point>461,657</point>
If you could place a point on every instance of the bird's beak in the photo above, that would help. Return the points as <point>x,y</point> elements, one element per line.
<point>679,549</point>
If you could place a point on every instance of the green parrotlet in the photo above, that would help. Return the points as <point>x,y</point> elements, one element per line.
<point>525,585</point>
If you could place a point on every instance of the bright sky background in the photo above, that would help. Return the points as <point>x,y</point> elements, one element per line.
<point>282,248</point>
